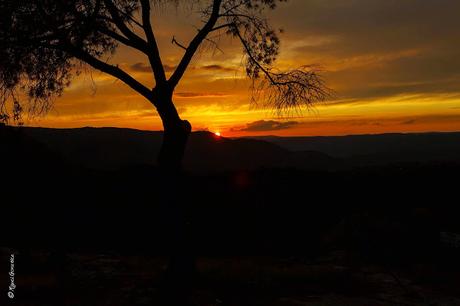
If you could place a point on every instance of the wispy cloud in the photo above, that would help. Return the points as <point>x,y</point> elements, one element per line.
<point>199,94</point>
<point>266,125</point>
<point>409,121</point>
<point>142,67</point>
<point>217,67</point>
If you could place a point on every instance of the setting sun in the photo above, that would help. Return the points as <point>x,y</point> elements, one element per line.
<point>378,89</point>
<point>342,133</point>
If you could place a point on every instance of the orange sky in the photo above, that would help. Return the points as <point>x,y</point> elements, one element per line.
<point>394,65</point>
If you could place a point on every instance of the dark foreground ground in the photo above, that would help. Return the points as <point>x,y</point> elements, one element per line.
<point>268,237</point>
<point>333,279</point>
<point>368,235</point>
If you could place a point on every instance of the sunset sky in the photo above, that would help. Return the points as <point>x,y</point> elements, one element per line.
<point>394,65</point>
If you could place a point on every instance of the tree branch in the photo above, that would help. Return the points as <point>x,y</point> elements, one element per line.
<point>195,43</point>
<point>112,70</point>
<point>287,90</point>
<point>136,40</point>
<point>154,52</point>
<point>175,42</point>
<point>118,37</point>
<point>227,25</point>
<point>249,52</point>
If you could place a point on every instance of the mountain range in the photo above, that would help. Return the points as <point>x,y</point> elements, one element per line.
<point>111,148</point>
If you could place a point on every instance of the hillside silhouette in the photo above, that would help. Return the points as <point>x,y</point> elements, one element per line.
<point>378,149</point>
<point>112,148</point>
<point>105,169</point>
<point>88,191</point>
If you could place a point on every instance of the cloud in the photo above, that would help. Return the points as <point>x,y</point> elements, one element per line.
<point>169,68</point>
<point>373,52</point>
<point>377,48</point>
<point>409,121</point>
<point>370,48</point>
<point>217,67</point>
<point>189,94</point>
<point>267,125</point>
<point>142,67</point>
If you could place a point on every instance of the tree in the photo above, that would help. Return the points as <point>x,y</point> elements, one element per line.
<point>43,43</point>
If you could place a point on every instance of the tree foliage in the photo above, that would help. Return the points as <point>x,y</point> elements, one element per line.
<point>43,42</point>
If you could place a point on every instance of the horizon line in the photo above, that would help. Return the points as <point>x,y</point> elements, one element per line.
<point>245,136</point>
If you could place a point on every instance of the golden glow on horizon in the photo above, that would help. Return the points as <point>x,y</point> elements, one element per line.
<point>384,82</point>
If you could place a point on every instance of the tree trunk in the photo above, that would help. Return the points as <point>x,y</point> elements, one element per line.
<point>181,268</point>
<point>173,147</point>
<point>182,263</point>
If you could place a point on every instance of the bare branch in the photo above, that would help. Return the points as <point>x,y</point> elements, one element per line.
<point>215,44</point>
<point>227,25</point>
<point>112,70</point>
<point>175,42</point>
<point>130,18</point>
<point>40,42</point>
<point>292,89</point>
<point>118,37</point>
<point>195,43</point>
<point>154,52</point>
<point>285,90</point>
<point>114,12</point>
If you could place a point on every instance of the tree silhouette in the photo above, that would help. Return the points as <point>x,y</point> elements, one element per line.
<point>43,44</point>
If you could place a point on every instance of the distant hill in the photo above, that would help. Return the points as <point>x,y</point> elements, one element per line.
<point>363,150</point>
<point>104,148</point>
<point>97,187</point>
<point>114,148</point>
<point>111,148</point>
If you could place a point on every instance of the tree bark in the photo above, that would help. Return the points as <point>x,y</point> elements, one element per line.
<point>181,268</point>
<point>176,133</point>
<point>172,150</point>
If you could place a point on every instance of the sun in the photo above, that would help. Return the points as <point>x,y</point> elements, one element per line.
<point>218,134</point>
